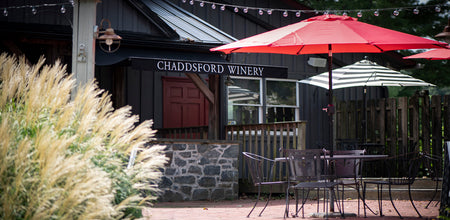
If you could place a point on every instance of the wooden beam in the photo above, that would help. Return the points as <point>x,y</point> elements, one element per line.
<point>83,41</point>
<point>201,86</point>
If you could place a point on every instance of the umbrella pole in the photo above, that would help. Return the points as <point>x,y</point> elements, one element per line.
<point>365,114</point>
<point>330,107</point>
<point>330,111</point>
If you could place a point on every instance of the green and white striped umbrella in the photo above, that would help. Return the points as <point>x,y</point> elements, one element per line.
<point>364,73</point>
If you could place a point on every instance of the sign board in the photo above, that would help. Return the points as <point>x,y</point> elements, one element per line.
<point>200,67</point>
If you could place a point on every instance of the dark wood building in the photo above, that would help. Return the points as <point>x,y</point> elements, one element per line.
<point>165,48</point>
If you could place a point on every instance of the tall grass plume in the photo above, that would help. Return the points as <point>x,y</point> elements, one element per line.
<point>63,158</point>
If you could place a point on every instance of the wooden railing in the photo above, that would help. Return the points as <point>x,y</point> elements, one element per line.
<point>200,132</point>
<point>267,140</point>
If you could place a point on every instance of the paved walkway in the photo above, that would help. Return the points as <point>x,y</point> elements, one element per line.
<point>238,209</point>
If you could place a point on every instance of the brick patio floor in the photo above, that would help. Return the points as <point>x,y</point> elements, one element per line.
<point>238,209</point>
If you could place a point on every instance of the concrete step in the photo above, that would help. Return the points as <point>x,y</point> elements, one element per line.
<point>422,189</point>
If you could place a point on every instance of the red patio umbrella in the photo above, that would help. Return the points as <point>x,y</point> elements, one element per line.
<point>436,54</point>
<point>328,34</point>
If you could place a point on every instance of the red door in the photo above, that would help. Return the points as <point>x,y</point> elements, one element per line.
<point>184,104</point>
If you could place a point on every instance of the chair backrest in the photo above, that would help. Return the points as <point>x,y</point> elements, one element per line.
<point>348,168</point>
<point>408,162</point>
<point>434,165</point>
<point>305,165</point>
<point>259,167</point>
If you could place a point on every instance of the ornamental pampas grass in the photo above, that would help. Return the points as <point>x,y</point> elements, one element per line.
<point>63,158</point>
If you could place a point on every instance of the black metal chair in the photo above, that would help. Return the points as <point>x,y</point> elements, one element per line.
<point>308,171</point>
<point>433,164</point>
<point>407,167</point>
<point>261,171</point>
<point>348,172</point>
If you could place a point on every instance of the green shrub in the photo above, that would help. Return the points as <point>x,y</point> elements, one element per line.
<point>63,158</point>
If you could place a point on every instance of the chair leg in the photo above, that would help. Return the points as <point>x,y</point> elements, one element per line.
<point>359,198</point>
<point>270,196</point>
<point>304,198</point>
<point>286,211</point>
<point>434,194</point>
<point>342,201</point>
<point>393,205</point>
<point>412,202</point>
<point>380,197</point>
<point>364,199</point>
<point>254,206</point>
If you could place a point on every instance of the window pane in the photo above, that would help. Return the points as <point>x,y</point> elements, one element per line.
<point>244,91</point>
<point>280,114</point>
<point>281,93</point>
<point>240,115</point>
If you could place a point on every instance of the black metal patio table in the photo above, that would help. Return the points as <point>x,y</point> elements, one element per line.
<point>364,157</point>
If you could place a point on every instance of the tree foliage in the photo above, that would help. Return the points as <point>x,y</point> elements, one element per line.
<point>427,23</point>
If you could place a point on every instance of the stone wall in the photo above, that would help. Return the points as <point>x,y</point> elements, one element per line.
<point>200,170</point>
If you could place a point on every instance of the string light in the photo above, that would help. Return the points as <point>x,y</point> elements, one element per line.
<point>376,13</point>
<point>359,12</point>
<point>396,12</point>
<point>63,9</point>
<point>437,8</point>
<point>35,8</point>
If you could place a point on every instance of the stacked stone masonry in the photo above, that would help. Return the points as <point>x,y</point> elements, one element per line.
<point>199,171</point>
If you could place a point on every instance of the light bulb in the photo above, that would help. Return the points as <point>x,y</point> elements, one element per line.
<point>359,14</point>
<point>109,41</point>
<point>5,12</point>
<point>33,10</point>
<point>191,2</point>
<point>245,10</point>
<point>285,14</point>
<point>202,4</point>
<point>260,12</point>
<point>222,7</point>
<point>297,14</point>
<point>344,14</point>
<point>213,6</point>
<point>269,12</point>
<point>236,9</point>
<point>396,13</point>
<point>416,11</point>
<point>63,9</point>
<point>437,9</point>
<point>376,13</point>
<point>184,1</point>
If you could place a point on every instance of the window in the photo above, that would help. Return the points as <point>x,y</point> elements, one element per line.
<point>244,101</point>
<point>281,101</point>
<point>257,100</point>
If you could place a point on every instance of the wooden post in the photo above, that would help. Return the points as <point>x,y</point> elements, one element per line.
<point>83,41</point>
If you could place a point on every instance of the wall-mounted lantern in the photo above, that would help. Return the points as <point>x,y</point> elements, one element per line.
<point>109,42</point>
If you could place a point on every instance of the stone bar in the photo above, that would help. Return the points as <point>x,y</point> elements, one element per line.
<point>200,170</point>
